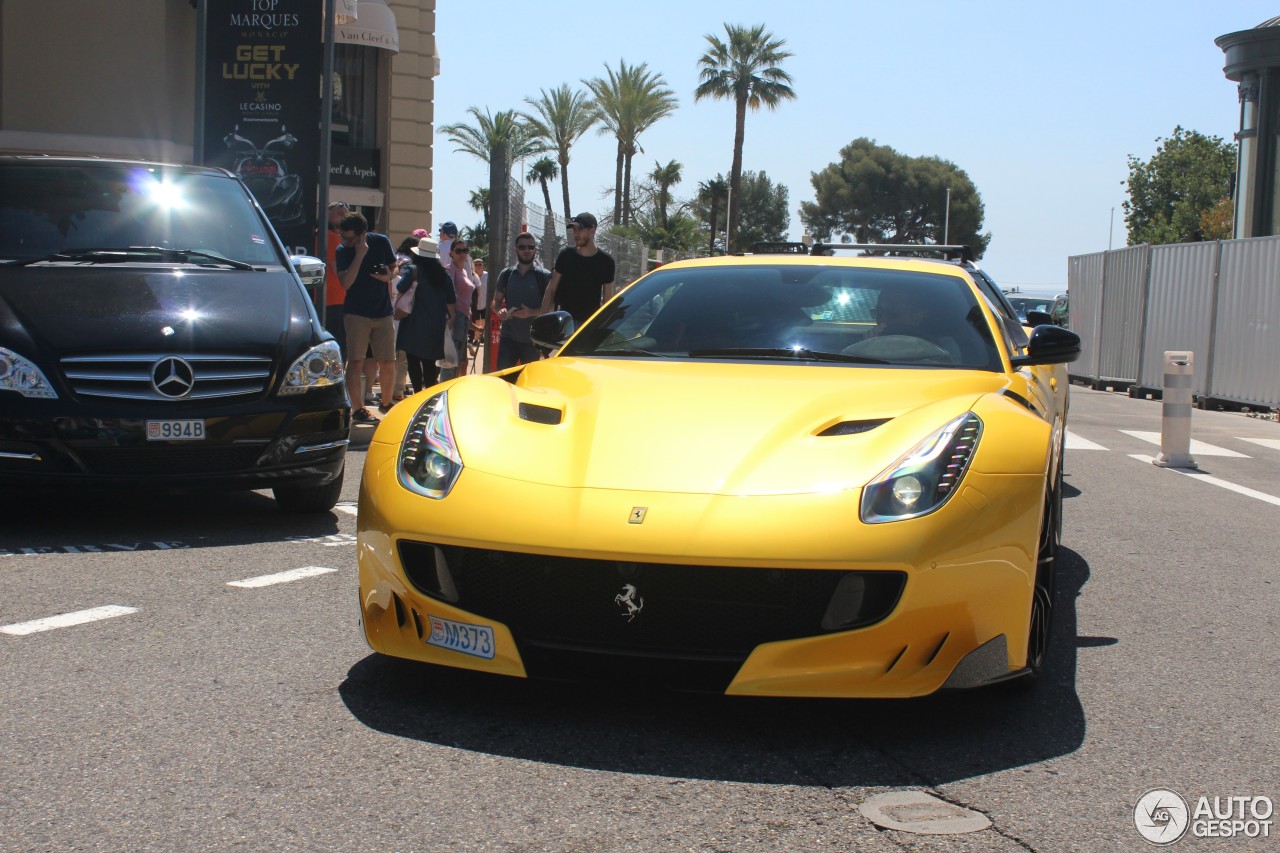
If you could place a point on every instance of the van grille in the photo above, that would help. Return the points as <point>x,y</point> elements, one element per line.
<point>133,376</point>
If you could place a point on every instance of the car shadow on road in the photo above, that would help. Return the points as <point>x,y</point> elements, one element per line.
<point>36,521</point>
<point>928,741</point>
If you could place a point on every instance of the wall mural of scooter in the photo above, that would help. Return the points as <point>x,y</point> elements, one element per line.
<point>266,172</point>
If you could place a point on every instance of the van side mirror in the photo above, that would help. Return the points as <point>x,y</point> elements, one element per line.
<point>310,270</point>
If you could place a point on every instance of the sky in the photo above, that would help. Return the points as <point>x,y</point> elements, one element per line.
<point>1040,104</point>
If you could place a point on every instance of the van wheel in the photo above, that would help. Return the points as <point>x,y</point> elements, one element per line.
<point>308,498</point>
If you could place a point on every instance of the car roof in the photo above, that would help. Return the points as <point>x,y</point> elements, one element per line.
<point>929,265</point>
<point>35,160</point>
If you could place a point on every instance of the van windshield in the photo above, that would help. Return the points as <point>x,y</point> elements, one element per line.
<point>48,209</point>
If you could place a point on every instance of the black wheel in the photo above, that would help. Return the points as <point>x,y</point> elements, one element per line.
<point>1042,597</point>
<point>308,498</point>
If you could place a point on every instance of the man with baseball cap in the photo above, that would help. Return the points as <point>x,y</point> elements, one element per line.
<point>583,275</point>
<point>448,233</point>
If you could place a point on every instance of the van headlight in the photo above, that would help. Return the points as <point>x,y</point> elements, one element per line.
<point>22,375</point>
<point>429,460</point>
<point>922,479</point>
<point>318,367</point>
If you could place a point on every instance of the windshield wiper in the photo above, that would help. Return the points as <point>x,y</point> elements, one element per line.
<point>630,351</point>
<point>158,253</point>
<point>785,353</point>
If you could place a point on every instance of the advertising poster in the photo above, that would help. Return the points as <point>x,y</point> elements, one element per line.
<point>262,105</point>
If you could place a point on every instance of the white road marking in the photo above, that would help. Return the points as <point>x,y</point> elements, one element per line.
<point>1273,443</point>
<point>1214,481</point>
<point>281,577</point>
<point>1075,442</point>
<point>350,509</point>
<point>66,620</point>
<point>1198,448</point>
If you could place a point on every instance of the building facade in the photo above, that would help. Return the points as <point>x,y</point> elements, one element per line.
<point>119,80</point>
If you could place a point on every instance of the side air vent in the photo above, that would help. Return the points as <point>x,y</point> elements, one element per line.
<point>540,414</point>
<point>853,427</point>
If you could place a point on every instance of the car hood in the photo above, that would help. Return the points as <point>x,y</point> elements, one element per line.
<point>67,309</point>
<point>703,427</point>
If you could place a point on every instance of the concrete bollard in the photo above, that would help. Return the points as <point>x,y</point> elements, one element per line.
<point>1175,421</point>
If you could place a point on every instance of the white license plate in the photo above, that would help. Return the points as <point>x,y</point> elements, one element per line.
<point>462,637</point>
<point>175,430</point>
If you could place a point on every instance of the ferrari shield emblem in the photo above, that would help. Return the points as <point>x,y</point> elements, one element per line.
<point>637,515</point>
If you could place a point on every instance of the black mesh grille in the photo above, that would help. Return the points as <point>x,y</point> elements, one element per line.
<point>169,460</point>
<point>689,612</point>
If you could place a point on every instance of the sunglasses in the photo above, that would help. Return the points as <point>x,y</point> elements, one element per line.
<point>461,250</point>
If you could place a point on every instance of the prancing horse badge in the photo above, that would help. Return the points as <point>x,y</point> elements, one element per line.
<point>637,515</point>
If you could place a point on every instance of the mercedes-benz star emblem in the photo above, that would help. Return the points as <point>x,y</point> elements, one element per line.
<point>172,377</point>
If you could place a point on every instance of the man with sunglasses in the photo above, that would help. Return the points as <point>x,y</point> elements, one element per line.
<point>465,282</point>
<point>519,291</point>
<point>584,273</point>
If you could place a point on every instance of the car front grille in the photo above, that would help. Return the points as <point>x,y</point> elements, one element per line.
<point>132,376</point>
<point>144,461</point>
<point>710,613</point>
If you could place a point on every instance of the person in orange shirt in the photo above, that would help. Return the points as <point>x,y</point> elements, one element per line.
<point>334,293</point>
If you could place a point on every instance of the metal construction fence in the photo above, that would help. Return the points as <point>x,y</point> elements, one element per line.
<point>1219,300</point>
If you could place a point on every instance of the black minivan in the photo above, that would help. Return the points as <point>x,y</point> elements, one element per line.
<point>154,332</point>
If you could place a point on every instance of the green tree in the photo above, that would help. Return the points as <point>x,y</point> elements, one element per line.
<point>1170,194</point>
<point>542,171</point>
<point>664,178</point>
<point>506,127</point>
<point>712,196</point>
<point>746,70</point>
<point>876,195</point>
<point>562,117</point>
<point>631,100</point>
<point>680,233</point>
<point>765,209</point>
<point>477,236</point>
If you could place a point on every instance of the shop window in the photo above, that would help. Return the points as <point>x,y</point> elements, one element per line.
<point>355,101</point>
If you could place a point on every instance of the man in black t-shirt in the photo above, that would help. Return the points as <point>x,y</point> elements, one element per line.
<point>584,273</point>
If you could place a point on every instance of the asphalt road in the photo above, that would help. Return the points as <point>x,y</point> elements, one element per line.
<point>216,717</point>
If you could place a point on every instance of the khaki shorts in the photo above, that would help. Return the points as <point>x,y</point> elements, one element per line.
<point>363,332</point>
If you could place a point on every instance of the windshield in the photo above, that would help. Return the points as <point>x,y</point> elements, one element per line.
<point>856,315</point>
<point>48,209</point>
<point>1023,304</point>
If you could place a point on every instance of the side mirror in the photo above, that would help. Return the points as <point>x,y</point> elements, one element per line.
<point>1049,345</point>
<point>550,331</point>
<point>310,270</point>
<point>1039,318</point>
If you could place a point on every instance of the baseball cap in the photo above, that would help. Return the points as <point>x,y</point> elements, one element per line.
<point>583,220</point>
<point>420,233</point>
<point>449,230</point>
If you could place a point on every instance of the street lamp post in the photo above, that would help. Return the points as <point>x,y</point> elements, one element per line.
<point>946,221</point>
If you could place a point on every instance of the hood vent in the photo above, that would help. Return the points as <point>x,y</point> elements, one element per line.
<point>853,427</point>
<point>540,414</point>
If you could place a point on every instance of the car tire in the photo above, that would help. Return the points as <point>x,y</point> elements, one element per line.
<point>308,499</point>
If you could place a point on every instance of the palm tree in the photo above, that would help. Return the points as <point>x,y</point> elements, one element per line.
<point>631,100</point>
<point>744,70</point>
<point>541,171</point>
<point>712,193</point>
<point>562,118</point>
<point>506,127</point>
<point>664,178</point>
<point>479,201</point>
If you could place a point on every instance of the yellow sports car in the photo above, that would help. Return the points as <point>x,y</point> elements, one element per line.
<point>775,475</point>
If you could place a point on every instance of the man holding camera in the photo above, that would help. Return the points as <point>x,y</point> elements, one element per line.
<point>366,263</point>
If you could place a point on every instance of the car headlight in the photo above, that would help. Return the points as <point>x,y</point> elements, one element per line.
<point>926,476</point>
<point>21,375</point>
<point>429,460</point>
<point>318,367</point>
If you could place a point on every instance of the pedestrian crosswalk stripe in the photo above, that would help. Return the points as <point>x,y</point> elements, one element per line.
<point>1075,442</point>
<point>1273,443</point>
<point>1215,481</point>
<point>281,577</point>
<point>66,620</point>
<point>1198,448</point>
